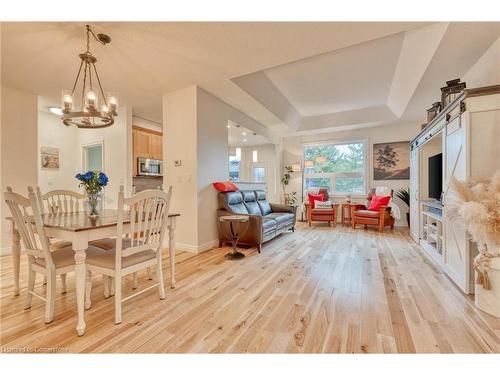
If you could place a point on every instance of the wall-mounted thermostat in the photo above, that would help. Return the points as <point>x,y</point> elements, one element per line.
<point>177,163</point>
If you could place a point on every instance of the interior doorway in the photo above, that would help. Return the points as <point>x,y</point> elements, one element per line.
<point>93,156</point>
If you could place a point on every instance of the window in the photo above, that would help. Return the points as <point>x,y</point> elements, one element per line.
<point>254,156</point>
<point>258,174</point>
<point>338,167</point>
<point>93,157</point>
<point>234,169</point>
<point>234,165</point>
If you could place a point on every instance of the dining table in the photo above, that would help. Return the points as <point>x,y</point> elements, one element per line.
<point>79,229</point>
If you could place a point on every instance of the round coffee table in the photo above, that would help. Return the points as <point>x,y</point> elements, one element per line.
<point>235,222</point>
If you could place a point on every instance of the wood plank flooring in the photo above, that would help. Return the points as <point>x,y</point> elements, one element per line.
<point>318,290</point>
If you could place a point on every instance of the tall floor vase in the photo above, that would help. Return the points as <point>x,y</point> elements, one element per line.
<point>488,300</point>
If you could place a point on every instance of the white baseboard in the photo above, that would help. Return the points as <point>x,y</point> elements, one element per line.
<point>197,249</point>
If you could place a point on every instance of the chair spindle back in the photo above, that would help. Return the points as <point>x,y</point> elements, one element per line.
<point>60,201</point>
<point>148,213</point>
<point>28,220</point>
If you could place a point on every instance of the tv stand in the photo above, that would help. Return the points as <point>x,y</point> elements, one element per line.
<point>466,132</point>
<point>431,238</point>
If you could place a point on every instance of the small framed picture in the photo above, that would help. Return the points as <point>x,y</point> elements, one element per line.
<point>50,157</point>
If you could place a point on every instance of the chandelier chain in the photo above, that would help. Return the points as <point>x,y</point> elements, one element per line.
<point>77,76</point>
<point>100,86</point>
<point>83,86</point>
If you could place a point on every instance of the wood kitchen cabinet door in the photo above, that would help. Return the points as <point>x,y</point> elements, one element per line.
<point>156,148</point>
<point>141,144</point>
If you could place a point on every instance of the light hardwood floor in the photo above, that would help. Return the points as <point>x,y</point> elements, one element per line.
<point>320,289</point>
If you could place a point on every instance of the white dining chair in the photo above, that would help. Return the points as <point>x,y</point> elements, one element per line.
<point>65,202</point>
<point>137,247</point>
<point>60,201</point>
<point>43,258</point>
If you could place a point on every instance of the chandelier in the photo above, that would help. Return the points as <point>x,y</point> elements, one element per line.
<point>89,115</point>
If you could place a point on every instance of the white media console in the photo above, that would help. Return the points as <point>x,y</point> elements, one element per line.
<point>467,133</point>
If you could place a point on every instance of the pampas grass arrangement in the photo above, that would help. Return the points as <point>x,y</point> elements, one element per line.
<point>478,204</point>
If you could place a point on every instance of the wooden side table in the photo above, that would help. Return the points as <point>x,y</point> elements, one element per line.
<point>346,213</point>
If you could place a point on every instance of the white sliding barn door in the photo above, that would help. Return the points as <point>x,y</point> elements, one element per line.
<point>414,203</point>
<point>455,241</point>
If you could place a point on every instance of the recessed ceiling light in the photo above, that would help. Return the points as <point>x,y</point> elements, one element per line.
<point>244,140</point>
<point>56,111</point>
<point>244,133</point>
<point>228,126</point>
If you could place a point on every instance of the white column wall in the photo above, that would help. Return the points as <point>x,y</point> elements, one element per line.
<point>194,125</point>
<point>19,167</point>
<point>179,143</point>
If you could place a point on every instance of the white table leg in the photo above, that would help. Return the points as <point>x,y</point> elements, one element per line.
<point>80,245</point>
<point>16,256</point>
<point>171,249</point>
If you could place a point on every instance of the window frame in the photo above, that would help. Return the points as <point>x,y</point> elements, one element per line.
<point>229,169</point>
<point>332,176</point>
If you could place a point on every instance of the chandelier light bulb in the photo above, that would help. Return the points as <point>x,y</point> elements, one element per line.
<point>112,101</point>
<point>67,101</point>
<point>91,98</point>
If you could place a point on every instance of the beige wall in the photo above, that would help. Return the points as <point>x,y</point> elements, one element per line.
<point>18,147</point>
<point>117,141</point>
<point>70,140</point>
<point>213,156</point>
<point>292,153</point>
<point>179,126</point>
<point>52,133</point>
<point>486,71</point>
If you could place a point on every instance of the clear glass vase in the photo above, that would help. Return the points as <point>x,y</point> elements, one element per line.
<point>93,205</point>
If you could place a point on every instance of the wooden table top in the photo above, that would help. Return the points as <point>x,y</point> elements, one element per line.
<point>79,221</point>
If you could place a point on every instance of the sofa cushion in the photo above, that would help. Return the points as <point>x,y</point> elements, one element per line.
<point>265,207</point>
<point>315,197</point>
<point>232,202</point>
<point>323,211</point>
<point>250,202</point>
<point>378,201</point>
<point>225,186</point>
<point>282,218</point>
<point>323,205</point>
<point>367,213</point>
<point>268,224</point>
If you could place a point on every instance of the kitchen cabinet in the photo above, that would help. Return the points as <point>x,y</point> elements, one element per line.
<point>146,144</point>
<point>141,144</point>
<point>155,146</point>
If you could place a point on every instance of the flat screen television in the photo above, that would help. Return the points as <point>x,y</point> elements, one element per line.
<point>436,176</point>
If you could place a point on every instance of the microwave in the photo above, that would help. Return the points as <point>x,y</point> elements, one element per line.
<point>149,167</point>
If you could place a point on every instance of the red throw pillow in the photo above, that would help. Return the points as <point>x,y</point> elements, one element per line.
<point>315,197</point>
<point>225,186</point>
<point>379,201</point>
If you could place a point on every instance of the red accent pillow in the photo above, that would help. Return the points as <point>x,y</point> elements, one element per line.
<point>315,197</point>
<point>225,186</point>
<point>379,201</point>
